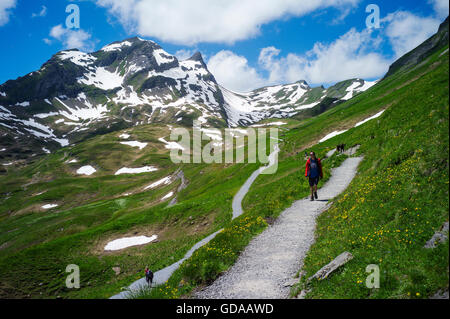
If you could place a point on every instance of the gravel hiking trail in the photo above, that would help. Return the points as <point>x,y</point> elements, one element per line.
<point>161,276</point>
<point>267,266</point>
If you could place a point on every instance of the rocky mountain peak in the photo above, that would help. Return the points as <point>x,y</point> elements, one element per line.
<point>303,84</point>
<point>198,57</point>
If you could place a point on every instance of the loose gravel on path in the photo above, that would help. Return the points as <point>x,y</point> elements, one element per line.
<point>267,266</point>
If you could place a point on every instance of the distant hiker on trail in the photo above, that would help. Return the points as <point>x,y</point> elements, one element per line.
<point>313,171</point>
<point>340,148</point>
<point>148,276</point>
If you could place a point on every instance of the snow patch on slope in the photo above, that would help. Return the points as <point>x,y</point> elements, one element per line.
<point>166,180</point>
<point>78,58</point>
<point>331,135</point>
<point>171,145</point>
<point>31,126</point>
<point>162,57</point>
<point>103,79</point>
<point>335,133</point>
<point>49,206</point>
<point>124,136</point>
<point>357,87</point>
<point>138,170</point>
<point>116,46</point>
<point>370,118</point>
<point>167,196</point>
<point>86,170</point>
<point>128,242</point>
<point>89,112</point>
<point>23,104</point>
<point>135,144</point>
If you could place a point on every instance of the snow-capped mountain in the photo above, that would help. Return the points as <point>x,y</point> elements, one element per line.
<point>283,101</point>
<point>126,83</point>
<point>132,82</point>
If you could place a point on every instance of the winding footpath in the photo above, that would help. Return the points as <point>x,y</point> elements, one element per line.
<point>161,276</point>
<point>268,264</point>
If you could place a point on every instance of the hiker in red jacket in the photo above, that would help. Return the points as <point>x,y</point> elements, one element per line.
<point>314,172</point>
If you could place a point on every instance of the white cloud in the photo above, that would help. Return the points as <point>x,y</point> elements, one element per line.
<point>79,39</point>
<point>41,13</point>
<point>57,32</point>
<point>72,39</point>
<point>184,54</point>
<point>5,10</point>
<point>440,7</point>
<point>194,21</point>
<point>353,55</point>
<point>406,30</point>
<point>344,12</point>
<point>234,73</point>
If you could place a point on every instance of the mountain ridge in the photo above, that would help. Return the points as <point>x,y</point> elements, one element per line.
<point>423,50</point>
<point>76,95</point>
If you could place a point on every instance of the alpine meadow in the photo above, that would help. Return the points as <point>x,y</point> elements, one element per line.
<point>88,179</point>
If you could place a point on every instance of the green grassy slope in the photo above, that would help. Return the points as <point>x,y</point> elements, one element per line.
<point>399,198</point>
<point>96,209</point>
<point>401,188</point>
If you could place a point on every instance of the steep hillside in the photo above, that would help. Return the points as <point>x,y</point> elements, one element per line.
<point>423,51</point>
<point>398,200</point>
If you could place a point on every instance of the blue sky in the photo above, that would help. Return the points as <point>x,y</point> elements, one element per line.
<point>246,43</point>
